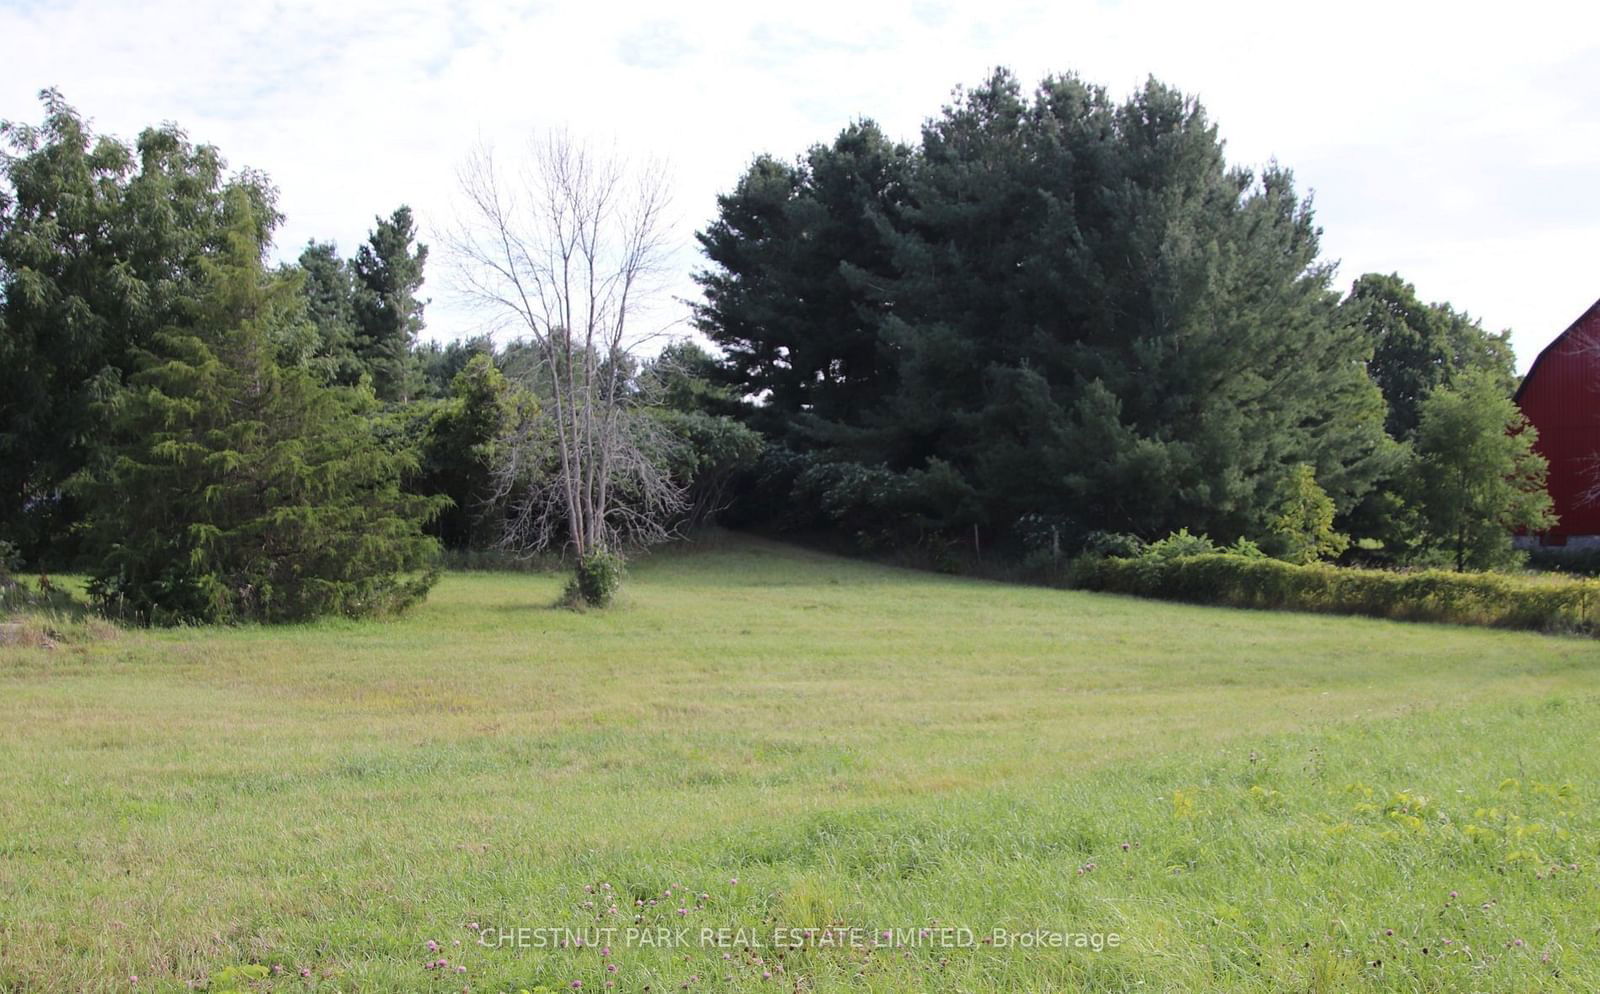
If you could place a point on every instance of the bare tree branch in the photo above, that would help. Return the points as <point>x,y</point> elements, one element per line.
<point>566,254</point>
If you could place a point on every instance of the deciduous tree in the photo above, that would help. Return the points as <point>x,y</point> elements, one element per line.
<point>101,245</point>
<point>1478,478</point>
<point>567,250</point>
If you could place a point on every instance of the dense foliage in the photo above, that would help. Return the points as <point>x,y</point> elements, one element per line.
<point>1427,595</point>
<point>1418,347</point>
<point>1059,315</point>
<point>235,488</point>
<point>101,246</point>
<point>1055,305</point>
<point>1478,477</point>
<point>1055,324</point>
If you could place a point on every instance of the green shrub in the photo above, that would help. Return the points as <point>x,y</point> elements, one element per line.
<point>1178,545</point>
<point>597,578</point>
<point>1118,545</point>
<point>1245,548</point>
<point>1560,559</point>
<point>1302,530</point>
<point>1430,595</point>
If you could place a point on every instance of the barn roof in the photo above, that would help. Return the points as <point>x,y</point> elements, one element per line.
<point>1549,349</point>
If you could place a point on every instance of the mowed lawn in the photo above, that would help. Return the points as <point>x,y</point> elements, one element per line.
<point>768,740</point>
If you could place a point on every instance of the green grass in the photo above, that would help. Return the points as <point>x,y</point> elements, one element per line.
<point>1262,797</point>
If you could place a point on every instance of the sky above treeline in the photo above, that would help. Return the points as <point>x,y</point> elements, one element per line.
<point>1456,145</point>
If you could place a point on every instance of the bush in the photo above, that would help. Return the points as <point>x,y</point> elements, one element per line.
<point>597,578</point>
<point>234,489</point>
<point>1178,545</point>
<point>1431,595</point>
<point>1117,545</point>
<point>1560,559</point>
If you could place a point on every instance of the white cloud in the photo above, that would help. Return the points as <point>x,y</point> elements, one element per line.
<point>1454,144</point>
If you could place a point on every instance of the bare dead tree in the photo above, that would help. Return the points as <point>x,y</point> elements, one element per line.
<point>566,251</point>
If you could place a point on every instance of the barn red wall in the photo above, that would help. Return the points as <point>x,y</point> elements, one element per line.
<point>1561,396</point>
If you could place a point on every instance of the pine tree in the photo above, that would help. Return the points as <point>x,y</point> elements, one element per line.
<point>236,489</point>
<point>460,451</point>
<point>330,295</point>
<point>388,274</point>
<point>1075,309</point>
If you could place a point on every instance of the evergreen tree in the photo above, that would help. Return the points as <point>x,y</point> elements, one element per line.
<point>459,452</point>
<point>1078,312</point>
<point>330,295</point>
<point>439,364</point>
<point>388,314</point>
<point>799,251</point>
<point>237,489</point>
<point>100,247</point>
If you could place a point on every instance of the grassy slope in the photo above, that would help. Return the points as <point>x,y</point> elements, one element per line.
<point>856,745</point>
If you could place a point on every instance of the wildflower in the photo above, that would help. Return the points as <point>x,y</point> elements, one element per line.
<point>433,947</point>
<point>766,974</point>
<point>1124,847</point>
<point>1453,895</point>
<point>611,968</point>
<point>305,972</point>
<point>1517,943</point>
<point>683,911</point>
<point>134,979</point>
<point>461,969</point>
<point>735,881</point>
<point>577,985</point>
<point>1388,931</point>
<point>473,926</point>
<point>605,950</point>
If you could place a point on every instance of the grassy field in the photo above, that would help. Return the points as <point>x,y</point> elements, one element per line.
<point>762,741</point>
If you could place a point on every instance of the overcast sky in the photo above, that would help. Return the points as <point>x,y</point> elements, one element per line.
<point>1458,147</point>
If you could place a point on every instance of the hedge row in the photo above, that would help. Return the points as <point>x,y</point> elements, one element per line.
<point>1546,604</point>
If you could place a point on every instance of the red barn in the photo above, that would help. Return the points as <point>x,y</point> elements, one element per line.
<point>1561,396</point>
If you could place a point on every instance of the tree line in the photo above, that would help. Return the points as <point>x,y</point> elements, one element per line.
<point>215,438</point>
<point>1056,322</point>
<point>1058,316</point>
